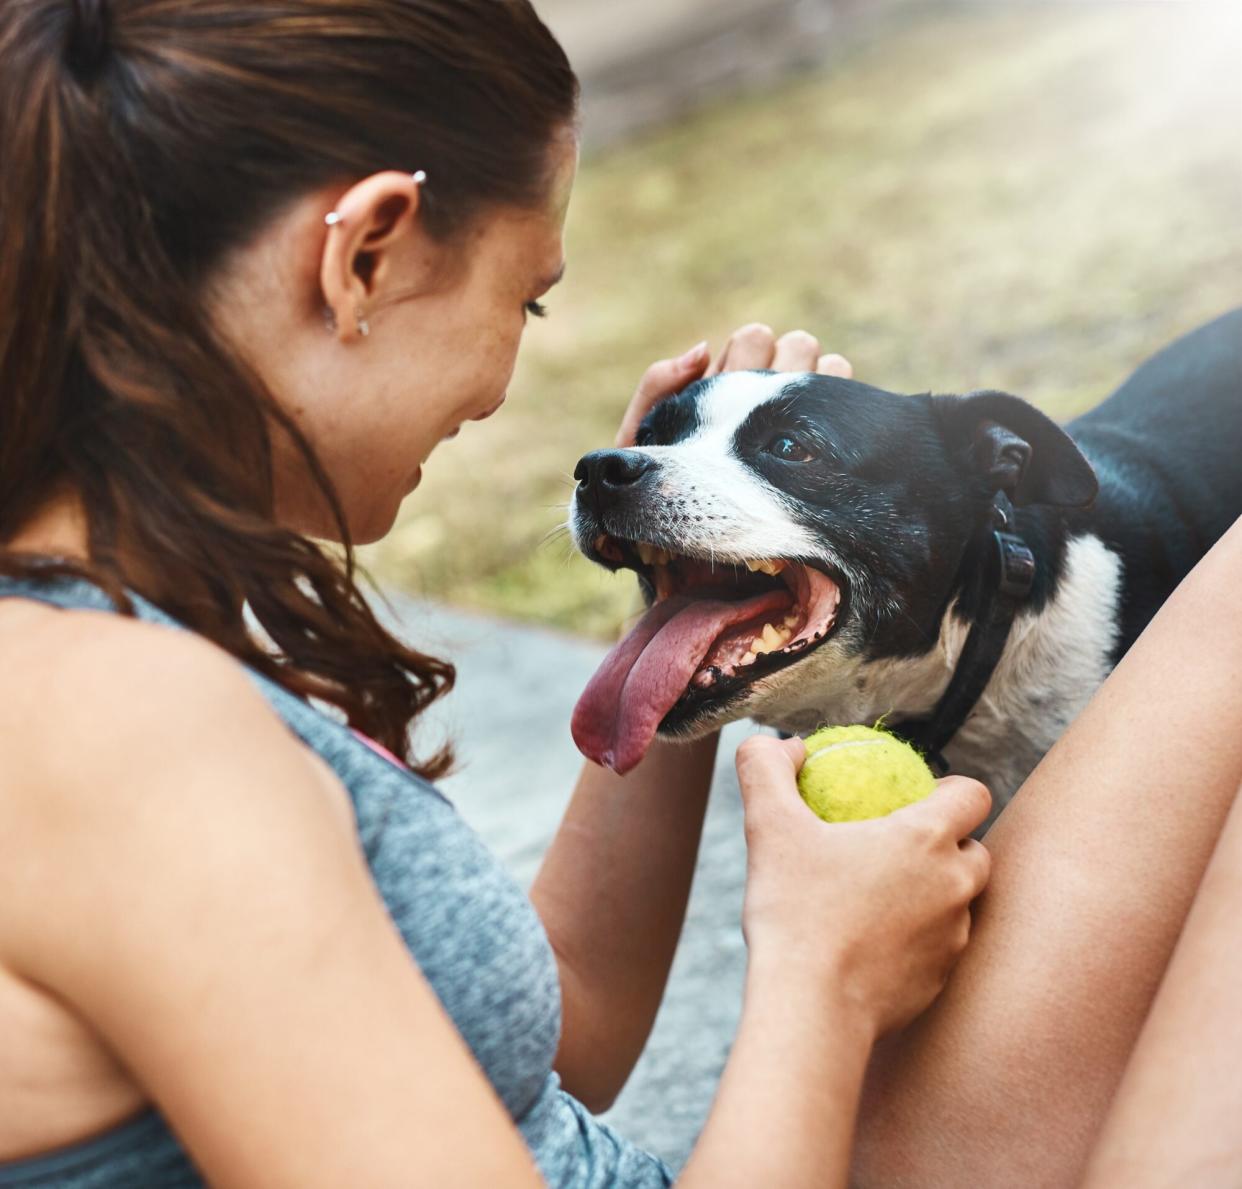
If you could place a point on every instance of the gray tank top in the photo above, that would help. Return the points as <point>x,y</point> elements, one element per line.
<point>470,928</point>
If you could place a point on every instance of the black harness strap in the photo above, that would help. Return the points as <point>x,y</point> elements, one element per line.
<point>1006,586</point>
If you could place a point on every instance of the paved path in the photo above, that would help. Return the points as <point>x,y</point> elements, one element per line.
<point>510,715</point>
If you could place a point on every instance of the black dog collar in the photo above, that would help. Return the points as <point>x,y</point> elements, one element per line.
<point>1007,584</point>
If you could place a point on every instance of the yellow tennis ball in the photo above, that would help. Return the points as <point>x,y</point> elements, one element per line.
<point>855,773</point>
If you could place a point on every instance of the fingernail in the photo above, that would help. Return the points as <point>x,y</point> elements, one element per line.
<point>694,355</point>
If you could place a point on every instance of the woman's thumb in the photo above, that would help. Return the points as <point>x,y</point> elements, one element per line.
<point>767,766</point>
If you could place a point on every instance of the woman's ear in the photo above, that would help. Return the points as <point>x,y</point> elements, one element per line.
<point>369,222</point>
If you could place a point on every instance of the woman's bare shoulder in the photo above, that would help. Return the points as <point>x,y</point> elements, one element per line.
<point>44,645</point>
<point>128,747</point>
<point>84,689</point>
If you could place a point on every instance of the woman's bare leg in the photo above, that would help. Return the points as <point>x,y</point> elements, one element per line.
<point>1177,1118</point>
<point>1005,1082</point>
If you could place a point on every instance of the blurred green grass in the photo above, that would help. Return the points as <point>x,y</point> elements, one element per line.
<point>1031,198</point>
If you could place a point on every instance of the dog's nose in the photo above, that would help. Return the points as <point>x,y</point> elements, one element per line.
<point>611,470</point>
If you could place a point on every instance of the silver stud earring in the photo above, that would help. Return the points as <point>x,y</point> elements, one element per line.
<point>364,327</point>
<point>329,319</point>
<point>419,178</point>
<point>333,218</point>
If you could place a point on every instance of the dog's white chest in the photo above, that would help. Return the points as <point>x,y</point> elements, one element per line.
<point>1054,661</point>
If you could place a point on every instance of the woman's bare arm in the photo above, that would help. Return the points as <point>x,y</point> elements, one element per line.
<point>612,894</point>
<point>194,889</point>
<point>1175,1118</point>
<point>1006,1080</point>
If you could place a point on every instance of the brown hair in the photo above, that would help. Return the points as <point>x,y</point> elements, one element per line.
<point>140,140</point>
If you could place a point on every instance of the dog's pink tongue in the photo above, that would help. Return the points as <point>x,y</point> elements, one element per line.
<point>641,679</point>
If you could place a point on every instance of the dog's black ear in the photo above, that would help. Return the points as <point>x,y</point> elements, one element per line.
<point>1016,449</point>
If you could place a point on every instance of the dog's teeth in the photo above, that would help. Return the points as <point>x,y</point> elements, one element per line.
<point>773,638</point>
<point>748,659</point>
<point>651,556</point>
<point>791,620</point>
<point>765,567</point>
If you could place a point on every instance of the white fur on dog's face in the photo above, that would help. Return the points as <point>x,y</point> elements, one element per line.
<point>712,505</point>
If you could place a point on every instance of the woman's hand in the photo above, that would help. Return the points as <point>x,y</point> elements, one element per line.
<point>852,931</point>
<point>753,347</point>
<point>873,913</point>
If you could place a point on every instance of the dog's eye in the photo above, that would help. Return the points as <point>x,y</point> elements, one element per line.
<point>789,449</point>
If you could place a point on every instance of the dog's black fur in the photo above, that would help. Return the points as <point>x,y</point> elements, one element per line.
<point>1167,448</point>
<point>895,489</point>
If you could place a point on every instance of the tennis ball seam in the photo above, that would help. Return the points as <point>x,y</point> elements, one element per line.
<point>830,747</point>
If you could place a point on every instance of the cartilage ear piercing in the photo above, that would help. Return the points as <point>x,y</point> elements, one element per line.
<point>420,177</point>
<point>333,218</point>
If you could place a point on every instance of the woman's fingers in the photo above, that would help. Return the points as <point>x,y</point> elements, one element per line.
<point>835,365</point>
<point>661,380</point>
<point>797,351</point>
<point>765,763</point>
<point>959,805</point>
<point>756,347</point>
<point>978,863</point>
<point>752,348</point>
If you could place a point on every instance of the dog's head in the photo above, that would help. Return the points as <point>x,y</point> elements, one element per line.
<point>785,527</point>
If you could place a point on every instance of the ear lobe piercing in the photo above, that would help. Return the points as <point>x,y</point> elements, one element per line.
<point>363,323</point>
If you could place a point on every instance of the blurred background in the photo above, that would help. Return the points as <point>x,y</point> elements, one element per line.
<point>1027,196</point>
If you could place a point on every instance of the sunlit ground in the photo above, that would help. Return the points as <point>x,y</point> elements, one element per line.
<point>1029,198</point>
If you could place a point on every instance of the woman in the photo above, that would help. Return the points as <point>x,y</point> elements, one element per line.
<point>256,262</point>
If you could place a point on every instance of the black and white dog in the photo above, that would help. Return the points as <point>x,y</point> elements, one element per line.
<point>814,550</point>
